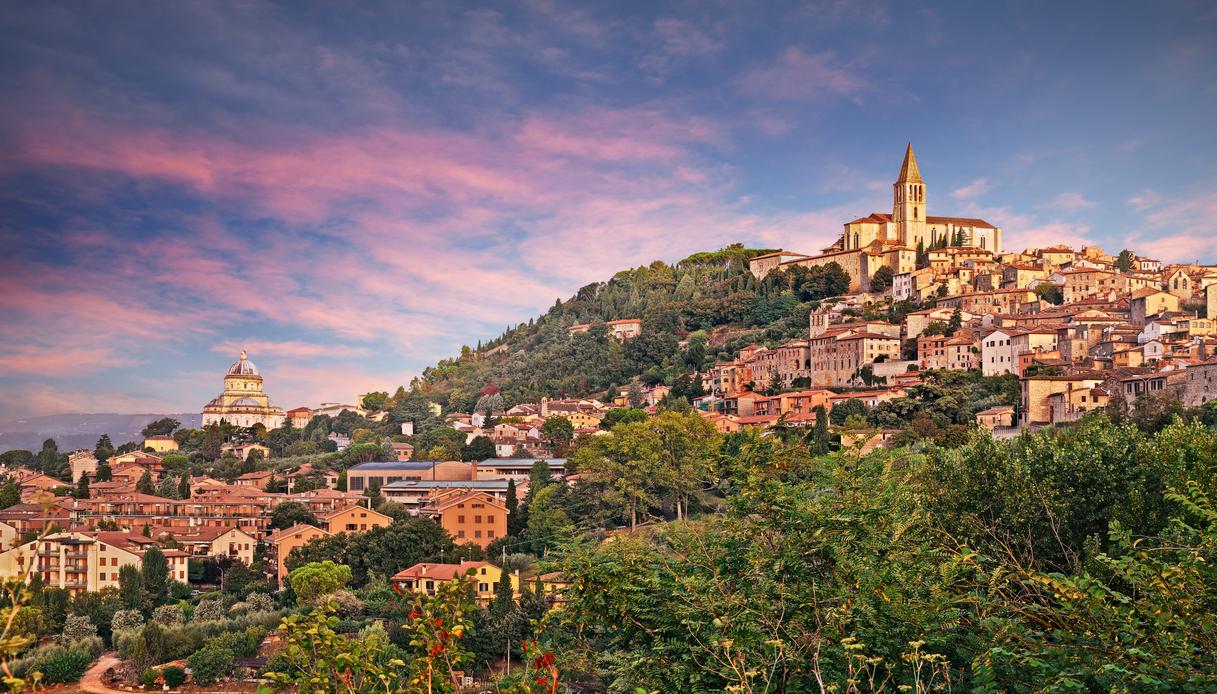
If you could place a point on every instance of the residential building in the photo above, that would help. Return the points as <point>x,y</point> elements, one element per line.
<point>353,519</point>
<point>469,516</point>
<point>285,540</point>
<point>161,444</point>
<point>427,578</point>
<point>999,417</point>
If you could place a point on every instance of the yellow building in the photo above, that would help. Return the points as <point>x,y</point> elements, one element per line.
<point>161,444</point>
<point>354,519</point>
<point>243,403</point>
<point>427,578</point>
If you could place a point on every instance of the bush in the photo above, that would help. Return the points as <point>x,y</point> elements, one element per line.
<point>58,663</point>
<point>243,644</point>
<point>260,602</point>
<point>179,642</point>
<point>77,627</point>
<point>210,664</point>
<point>149,677</point>
<point>169,616</point>
<point>174,676</point>
<point>209,611</point>
<point>126,620</point>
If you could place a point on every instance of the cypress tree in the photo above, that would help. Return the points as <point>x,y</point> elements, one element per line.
<point>515,520</point>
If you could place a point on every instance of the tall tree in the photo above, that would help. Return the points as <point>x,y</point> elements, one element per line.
<point>82,486</point>
<point>154,574</point>
<point>1124,260</point>
<point>130,587</point>
<point>183,487</point>
<point>821,444</point>
<point>559,431</point>
<point>515,520</point>
<point>104,473</point>
<point>145,485</point>
<point>104,448</point>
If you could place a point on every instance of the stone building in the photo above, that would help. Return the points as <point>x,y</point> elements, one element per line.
<point>243,403</point>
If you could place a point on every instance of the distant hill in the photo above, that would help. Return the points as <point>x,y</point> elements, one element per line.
<point>73,431</point>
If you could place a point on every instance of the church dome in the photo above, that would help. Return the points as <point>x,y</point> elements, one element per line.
<point>246,402</point>
<point>243,367</point>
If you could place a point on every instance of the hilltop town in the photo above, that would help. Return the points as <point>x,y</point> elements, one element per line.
<point>911,335</point>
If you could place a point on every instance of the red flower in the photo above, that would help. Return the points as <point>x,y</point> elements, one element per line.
<point>439,622</point>
<point>437,650</point>
<point>542,681</point>
<point>413,614</point>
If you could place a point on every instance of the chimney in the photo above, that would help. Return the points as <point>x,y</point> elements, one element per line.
<point>424,570</point>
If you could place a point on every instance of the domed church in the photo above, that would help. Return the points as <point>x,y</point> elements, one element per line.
<point>243,403</point>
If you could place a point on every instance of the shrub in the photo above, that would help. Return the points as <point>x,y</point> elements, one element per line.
<point>260,602</point>
<point>169,616</point>
<point>174,676</point>
<point>210,664</point>
<point>243,644</point>
<point>77,627</point>
<point>126,620</point>
<point>345,603</point>
<point>149,677</point>
<point>59,663</point>
<point>209,611</point>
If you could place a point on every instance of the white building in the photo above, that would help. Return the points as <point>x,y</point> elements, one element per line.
<point>243,403</point>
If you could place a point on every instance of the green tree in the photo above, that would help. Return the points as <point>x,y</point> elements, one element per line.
<point>104,473</point>
<point>821,443</point>
<point>183,487</point>
<point>480,448</point>
<point>290,513</point>
<point>559,432</point>
<point>881,280</point>
<point>104,449</point>
<point>130,587</point>
<point>160,427</point>
<point>317,579</point>
<point>10,494</point>
<point>1125,260</point>
<point>373,493</point>
<point>145,485</point>
<point>515,520</point>
<point>154,575</point>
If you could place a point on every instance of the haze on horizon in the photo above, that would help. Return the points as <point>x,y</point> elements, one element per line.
<point>351,193</point>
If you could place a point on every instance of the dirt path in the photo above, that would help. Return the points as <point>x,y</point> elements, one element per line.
<point>92,680</point>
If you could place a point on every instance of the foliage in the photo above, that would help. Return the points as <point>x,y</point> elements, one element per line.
<point>379,551</point>
<point>54,664</point>
<point>290,513</point>
<point>316,658</point>
<point>169,615</point>
<point>77,628</point>
<point>173,675</point>
<point>316,579</point>
<point>154,577</point>
<point>126,620</point>
<point>260,602</point>
<point>209,611</point>
<point>209,664</point>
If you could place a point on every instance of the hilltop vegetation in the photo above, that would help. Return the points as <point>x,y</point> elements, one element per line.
<point>709,299</point>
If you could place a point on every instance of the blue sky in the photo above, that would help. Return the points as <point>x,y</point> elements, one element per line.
<point>352,191</point>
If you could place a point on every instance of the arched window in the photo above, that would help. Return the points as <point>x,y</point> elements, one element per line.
<point>914,213</point>
<point>855,239</point>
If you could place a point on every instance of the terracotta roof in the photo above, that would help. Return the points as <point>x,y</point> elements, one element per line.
<point>439,572</point>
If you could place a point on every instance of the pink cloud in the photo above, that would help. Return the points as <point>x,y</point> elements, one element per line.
<point>801,76</point>
<point>972,190</point>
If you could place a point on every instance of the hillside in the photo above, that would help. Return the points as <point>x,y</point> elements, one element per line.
<point>699,309</point>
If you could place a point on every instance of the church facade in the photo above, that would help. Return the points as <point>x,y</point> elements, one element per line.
<point>892,240</point>
<point>243,403</point>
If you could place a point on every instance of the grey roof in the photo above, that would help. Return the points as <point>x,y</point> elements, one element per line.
<point>446,484</point>
<point>513,462</point>
<point>393,465</point>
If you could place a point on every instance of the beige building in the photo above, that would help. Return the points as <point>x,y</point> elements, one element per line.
<point>161,444</point>
<point>1053,399</point>
<point>284,541</point>
<point>837,357</point>
<point>243,403</point>
<point>83,561</point>
<point>1000,417</point>
<point>82,462</point>
<point>890,240</point>
<point>1150,302</point>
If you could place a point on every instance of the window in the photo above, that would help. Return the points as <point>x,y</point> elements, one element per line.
<point>477,533</point>
<point>483,587</point>
<point>460,519</point>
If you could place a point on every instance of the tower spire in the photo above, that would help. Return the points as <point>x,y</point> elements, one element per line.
<point>909,173</point>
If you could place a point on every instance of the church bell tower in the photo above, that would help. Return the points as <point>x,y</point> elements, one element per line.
<point>908,203</point>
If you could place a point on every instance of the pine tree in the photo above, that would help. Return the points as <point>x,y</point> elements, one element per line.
<point>820,443</point>
<point>82,487</point>
<point>154,573</point>
<point>183,487</point>
<point>515,520</point>
<point>104,448</point>
<point>104,473</point>
<point>144,485</point>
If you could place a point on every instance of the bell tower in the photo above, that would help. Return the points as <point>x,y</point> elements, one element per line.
<point>908,203</point>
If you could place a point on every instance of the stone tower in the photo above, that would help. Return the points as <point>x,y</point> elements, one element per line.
<point>908,203</point>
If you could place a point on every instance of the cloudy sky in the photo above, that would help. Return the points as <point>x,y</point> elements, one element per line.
<point>351,191</point>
